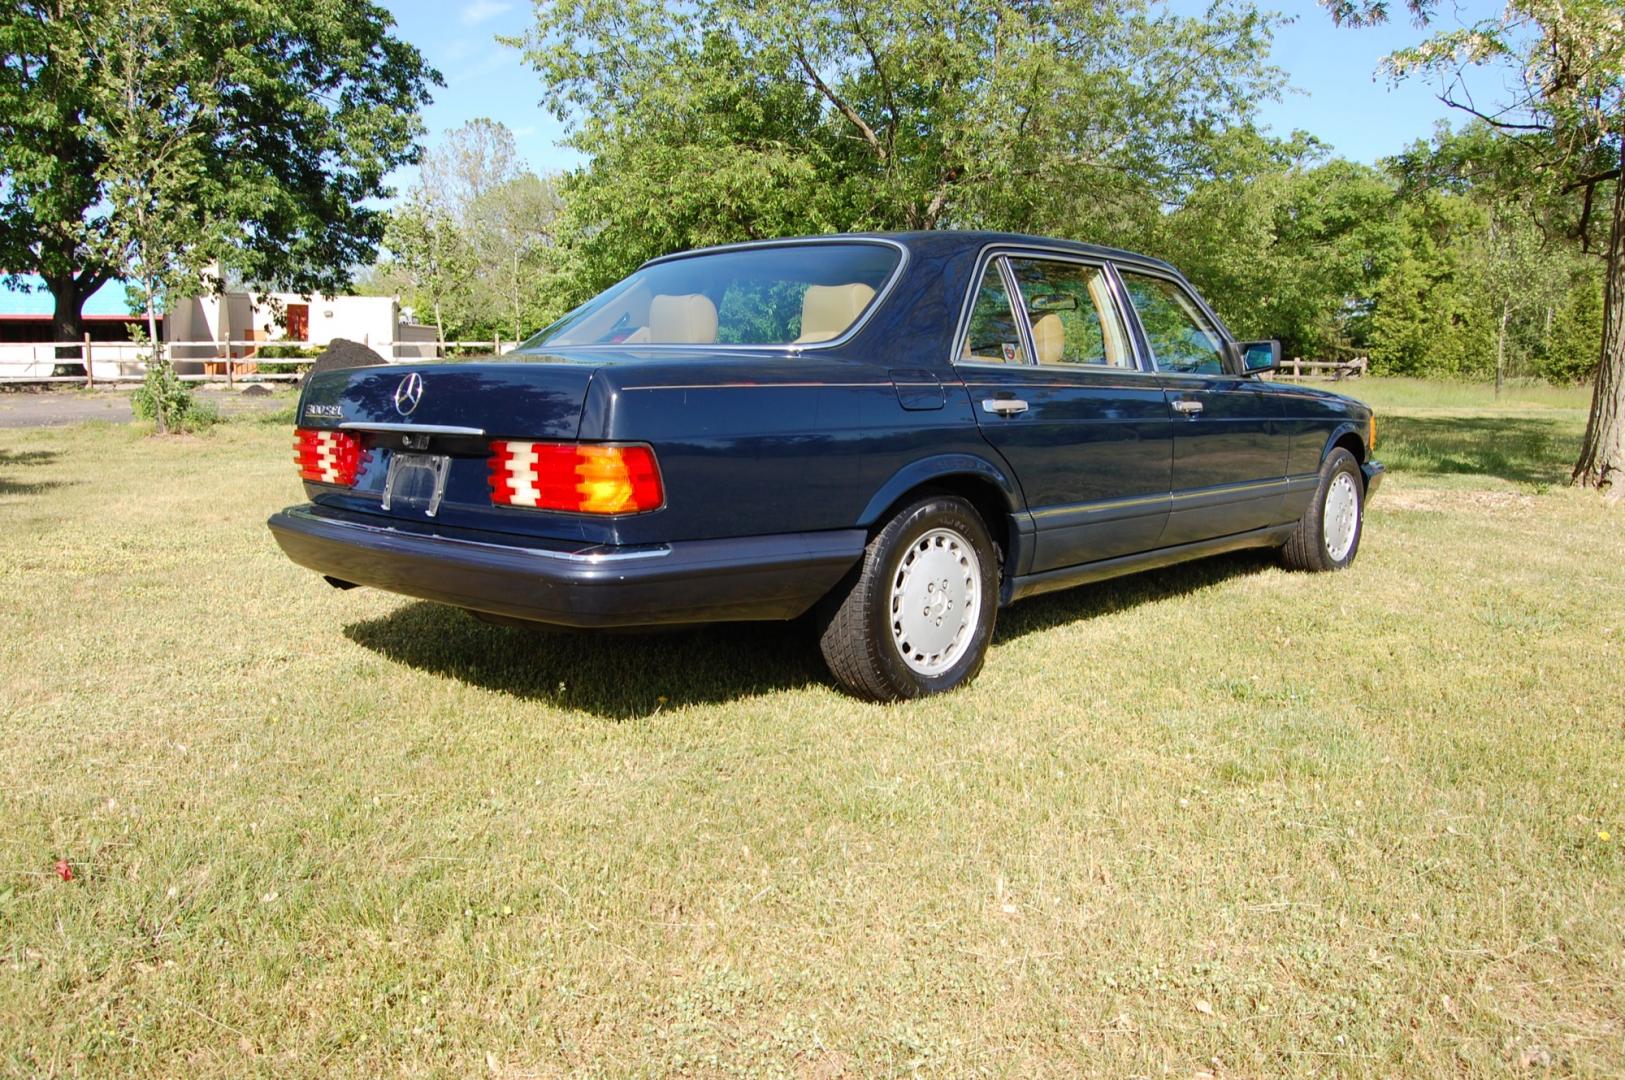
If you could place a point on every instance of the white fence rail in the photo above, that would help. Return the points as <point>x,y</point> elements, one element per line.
<point>220,361</point>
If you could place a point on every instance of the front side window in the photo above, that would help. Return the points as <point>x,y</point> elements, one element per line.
<point>1182,338</point>
<point>1073,318</point>
<point>790,294</point>
<point>994,335</point>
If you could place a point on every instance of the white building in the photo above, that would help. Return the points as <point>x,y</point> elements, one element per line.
<point>238,324</point>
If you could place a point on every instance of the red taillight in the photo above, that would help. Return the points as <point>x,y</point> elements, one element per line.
<point>327,457</point>
<point>583,478</point>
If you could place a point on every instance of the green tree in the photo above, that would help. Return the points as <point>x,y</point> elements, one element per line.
<point>1291,249</point>
<point>514,237</point>
<point>429,257</point>
<point>153,136</point>
<point>728,119</point>
<point>1560,130</point>
<point>310,105</point>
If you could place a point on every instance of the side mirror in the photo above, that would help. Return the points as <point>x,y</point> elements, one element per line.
<point>1257,357</point>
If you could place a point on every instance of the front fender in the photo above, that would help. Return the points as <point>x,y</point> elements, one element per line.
<point>1347,427</point>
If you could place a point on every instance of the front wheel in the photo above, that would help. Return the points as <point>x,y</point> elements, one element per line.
<point>917,614</point>
<point>1328,534</point>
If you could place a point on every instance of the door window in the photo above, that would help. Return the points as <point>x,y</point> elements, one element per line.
<point>1181,337</point>
<point>993,335</point>
<point>1073,318</point>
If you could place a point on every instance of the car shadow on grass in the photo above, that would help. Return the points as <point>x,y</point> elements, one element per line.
<point>1113,595</point>
<point>615,675</point>
<point>626,675</point>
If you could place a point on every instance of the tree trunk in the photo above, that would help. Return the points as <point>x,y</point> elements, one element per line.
<point>67,324</point>
<point>1501,348</point>
<point>1602,454</point>
<point>157,360</point>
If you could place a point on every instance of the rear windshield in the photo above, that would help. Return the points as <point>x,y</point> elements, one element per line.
<point>793,294</point>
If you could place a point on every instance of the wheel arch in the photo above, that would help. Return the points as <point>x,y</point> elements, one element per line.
<point>1349,436</point>
<point>985,486</point>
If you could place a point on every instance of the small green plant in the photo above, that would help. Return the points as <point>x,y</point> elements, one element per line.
<point>169,403</point>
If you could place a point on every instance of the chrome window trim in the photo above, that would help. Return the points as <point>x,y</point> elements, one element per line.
<point>880,298</point>
<point>1005,251</point>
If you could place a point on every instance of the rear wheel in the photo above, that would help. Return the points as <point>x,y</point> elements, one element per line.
<point>917,614</point>
<point>1328,534</point>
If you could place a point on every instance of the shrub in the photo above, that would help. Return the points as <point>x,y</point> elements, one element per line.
<point>169,403</point>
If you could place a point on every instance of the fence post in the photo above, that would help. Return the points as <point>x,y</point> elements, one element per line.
<point>231,368</point>
<point>496,345</point>
<point>1297,367</point>
<point>90,374</point>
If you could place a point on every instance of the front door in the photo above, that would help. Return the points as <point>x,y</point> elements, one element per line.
<point>298,322</point>
<point>1057,389</point>
<point>1230,449</point>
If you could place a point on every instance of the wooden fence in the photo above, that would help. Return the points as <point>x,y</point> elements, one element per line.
<point>1330,370</point>
<point>219,361</point>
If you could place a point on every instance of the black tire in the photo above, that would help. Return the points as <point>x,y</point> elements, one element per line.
<point>1308,547</point>
<point>856,624</point>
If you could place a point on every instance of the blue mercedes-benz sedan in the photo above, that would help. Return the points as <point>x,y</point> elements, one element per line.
<point>898,433</point>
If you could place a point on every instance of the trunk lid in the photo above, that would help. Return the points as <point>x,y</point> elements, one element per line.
<point>416,419</point>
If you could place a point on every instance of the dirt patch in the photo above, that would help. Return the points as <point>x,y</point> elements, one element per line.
<point>1440,502</point>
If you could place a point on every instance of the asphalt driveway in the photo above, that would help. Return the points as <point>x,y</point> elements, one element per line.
<point>55,407</point>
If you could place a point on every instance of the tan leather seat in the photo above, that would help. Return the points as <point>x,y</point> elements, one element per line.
<point>827,310</point>
<point>685,319</point>
<point>1049,339</point>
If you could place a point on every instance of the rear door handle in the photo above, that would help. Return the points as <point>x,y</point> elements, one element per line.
<point>1004,406</point>
<point>1188,407</point>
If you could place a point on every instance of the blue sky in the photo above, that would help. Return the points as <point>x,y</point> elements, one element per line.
<point>1337,96</point>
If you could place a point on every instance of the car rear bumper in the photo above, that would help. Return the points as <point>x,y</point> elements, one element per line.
<point>746,578</point>
<point>1373,472</point>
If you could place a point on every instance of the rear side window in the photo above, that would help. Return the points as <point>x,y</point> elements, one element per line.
<point>1182,338</point>
<point>1073,317</point>
<point>994,335</point>
<point>789,294</point>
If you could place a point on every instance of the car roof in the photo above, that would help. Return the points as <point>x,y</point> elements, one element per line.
<point>938,241</point>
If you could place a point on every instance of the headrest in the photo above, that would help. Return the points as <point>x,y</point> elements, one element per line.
<point>1049,339</point>
<point>827,310</point>
<point>687,319</point>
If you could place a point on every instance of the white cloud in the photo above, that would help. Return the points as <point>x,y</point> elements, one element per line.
<point>483,11</point>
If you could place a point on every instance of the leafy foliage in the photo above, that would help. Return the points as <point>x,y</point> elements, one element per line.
<point>169,403</point>
<point>474,241</point>
<point>293,114</point>
<point>727,120</point>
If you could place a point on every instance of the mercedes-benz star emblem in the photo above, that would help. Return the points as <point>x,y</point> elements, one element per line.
<point>408,394</point>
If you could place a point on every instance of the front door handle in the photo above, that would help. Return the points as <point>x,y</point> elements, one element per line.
<point>1188,407</point>
<point>1003,406</point>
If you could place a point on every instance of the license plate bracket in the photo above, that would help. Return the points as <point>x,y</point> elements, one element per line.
<point>416,482</point>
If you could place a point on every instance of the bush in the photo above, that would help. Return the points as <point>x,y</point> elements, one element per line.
<point>169,403</point>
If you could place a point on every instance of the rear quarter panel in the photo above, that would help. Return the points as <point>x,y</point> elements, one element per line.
<point>753,447</point>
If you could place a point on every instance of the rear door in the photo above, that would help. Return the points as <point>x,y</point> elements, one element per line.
<point>1230,447</point>
<point>1058,389</point>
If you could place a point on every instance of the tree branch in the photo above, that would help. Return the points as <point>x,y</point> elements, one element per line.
<point>1589,182</point>
<point>846,110</point>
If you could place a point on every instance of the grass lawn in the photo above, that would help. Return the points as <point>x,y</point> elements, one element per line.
<point>1218,819</point>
